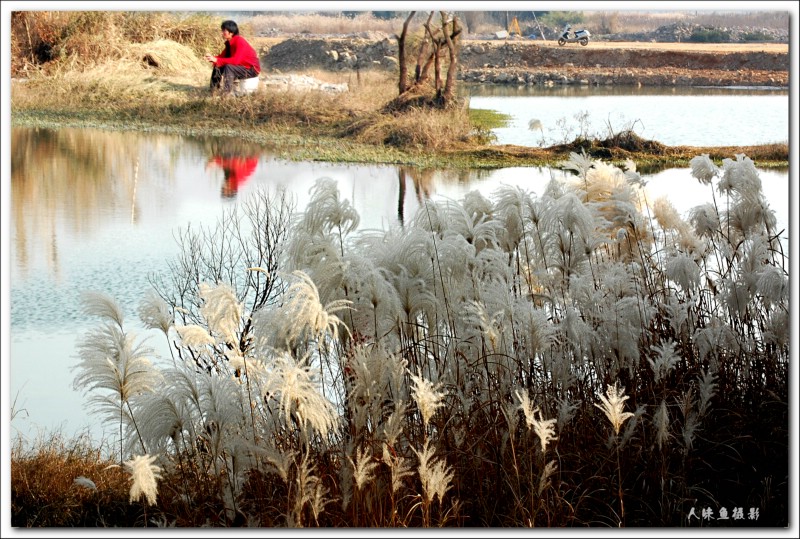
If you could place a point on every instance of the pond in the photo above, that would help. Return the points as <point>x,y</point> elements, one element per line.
<point>98,210</point>
<point>680,116</point>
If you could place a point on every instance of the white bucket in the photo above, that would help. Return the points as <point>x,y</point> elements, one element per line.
<point>245,86</point>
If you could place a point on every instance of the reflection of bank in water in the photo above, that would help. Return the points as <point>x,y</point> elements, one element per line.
<point>61,180</point>
<point>236,170</point>
<point>423,187</point>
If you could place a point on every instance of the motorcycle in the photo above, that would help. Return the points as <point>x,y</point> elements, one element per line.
<point>579,36</point>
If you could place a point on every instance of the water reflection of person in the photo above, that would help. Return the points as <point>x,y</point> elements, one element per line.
<point>236,169</point>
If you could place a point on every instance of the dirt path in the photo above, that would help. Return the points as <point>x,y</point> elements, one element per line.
<point>772,48</point>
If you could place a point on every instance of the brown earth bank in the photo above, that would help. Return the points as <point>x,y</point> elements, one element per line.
<point>537,62</point>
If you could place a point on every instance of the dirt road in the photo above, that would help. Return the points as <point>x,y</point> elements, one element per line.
<point>772,48</point>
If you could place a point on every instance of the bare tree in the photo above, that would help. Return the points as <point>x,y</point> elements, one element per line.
<point>401,40</point>
<point>250,236</point>
<point>439,44</point>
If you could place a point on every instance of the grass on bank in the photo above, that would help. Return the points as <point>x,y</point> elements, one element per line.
<point>312,125</point>
<point>150,76</point>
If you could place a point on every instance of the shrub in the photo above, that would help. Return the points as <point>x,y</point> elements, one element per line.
<point>710,35</point>
<point>758,35</point>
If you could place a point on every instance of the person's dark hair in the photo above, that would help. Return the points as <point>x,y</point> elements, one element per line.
<point>231,27</point>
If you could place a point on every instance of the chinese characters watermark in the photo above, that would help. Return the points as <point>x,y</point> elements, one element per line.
<point>736,513</point>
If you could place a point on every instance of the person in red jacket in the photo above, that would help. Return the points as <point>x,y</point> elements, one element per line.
<point>238,60</point>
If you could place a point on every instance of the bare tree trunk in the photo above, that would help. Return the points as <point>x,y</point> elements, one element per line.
<point>450,83</point>
<point>402,84</point>
<point>435,56</point>
<point>424,58</point>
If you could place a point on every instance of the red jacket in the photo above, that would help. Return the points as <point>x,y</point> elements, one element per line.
<point>239,52</point>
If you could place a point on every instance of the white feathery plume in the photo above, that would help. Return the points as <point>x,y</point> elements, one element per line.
<point>526,406</point>
<point>509,411</point>
<point>682,269</point>
<point>578,162</point>
<point>427,396</point>
<point>163,416</point>
<point>280,460</point>
<point>510,209</point>
<point>630,427</point>
<point>740,178</point>
<point>575,216</point>
<point>490,325</point>
<point>305,312</point>
<point>707,389</point>
<point>544,480</point>
<point>773,285</point>
<point>704,219</point>
<point>631,175</point>
<point>399,466</point>
<point>144,474</point>
<point>666,214</point>
<point>363,467</point>
<point>222,311</point>
<point>252,367</point>
<point>195,337</point>
<point>661,421</point>
<point>477,205</point>
<point>434,474</point>
<point>613,404</point>
<point>296,388</point>
<point>666,359</point>
<point>703,168</point>
<point>566,411</point>
<point>111,360</point>
<point>393,427</point>
<point>325,210</point>
<point>154,312</point>
<point>102,305</point>
<point>545,430</point>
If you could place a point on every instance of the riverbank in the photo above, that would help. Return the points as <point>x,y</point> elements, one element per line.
<point>168,93</point>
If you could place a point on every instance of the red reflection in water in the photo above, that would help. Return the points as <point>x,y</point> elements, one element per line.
<point>236,169</point>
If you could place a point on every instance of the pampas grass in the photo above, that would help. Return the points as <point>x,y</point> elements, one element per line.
<point>449,372</point>
<point>144,476</point>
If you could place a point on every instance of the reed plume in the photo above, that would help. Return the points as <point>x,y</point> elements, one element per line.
<point>144,476</point>
<point>613,404</point>
<point>427,395</point>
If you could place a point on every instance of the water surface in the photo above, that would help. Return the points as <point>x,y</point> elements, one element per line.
<point>99,210</point>
<point>673,116</point>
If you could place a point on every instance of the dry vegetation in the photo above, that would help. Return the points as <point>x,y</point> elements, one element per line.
<point>148,74</point>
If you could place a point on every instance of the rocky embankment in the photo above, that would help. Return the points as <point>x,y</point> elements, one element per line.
<point>534,62</point>
<point>526,63</point>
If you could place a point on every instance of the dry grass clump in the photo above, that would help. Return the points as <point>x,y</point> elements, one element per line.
<point>126,85</point>
<point>581,357</point>
<point>165,56</point>
<point>67,483</point>
<point>81,39</point>
<point>415,128</point>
